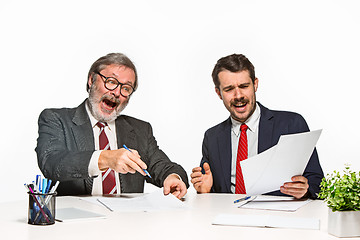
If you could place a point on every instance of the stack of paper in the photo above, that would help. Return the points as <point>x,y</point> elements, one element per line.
<point>276,203</point>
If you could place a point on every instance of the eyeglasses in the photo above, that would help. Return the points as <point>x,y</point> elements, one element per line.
<point>112,83</point>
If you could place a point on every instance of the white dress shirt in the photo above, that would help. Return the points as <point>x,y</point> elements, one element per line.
<point>252,134</point>
<point>93,168</point>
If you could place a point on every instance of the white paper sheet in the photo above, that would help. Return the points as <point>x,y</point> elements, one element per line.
<point>75,214</point>
<point>154,201</point>
<point>266,221</point>
<point>272,168</point>
<point>275,203</point>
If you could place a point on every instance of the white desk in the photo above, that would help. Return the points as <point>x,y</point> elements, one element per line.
<point>192,223</point>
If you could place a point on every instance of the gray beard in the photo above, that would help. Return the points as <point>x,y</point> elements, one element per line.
<point>94,101</point>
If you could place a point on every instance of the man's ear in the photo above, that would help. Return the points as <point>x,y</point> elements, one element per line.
<point>217,90</point>
<point>90,82</point>
<point>256,83</point>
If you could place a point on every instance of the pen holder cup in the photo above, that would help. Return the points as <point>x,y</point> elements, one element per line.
<point>41,208</point>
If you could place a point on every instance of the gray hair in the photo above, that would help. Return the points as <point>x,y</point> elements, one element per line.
<point>111,58</point>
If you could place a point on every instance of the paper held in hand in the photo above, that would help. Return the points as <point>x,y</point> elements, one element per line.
<point>272,168</point>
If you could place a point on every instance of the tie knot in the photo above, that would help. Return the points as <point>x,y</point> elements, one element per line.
<point>101,125</point>
<point>243,127</point>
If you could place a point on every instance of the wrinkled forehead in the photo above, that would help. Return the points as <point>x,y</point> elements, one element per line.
<point>119,72</point>
<point>227,78</point>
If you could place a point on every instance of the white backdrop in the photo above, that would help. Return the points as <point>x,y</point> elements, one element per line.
<point>306,56</point>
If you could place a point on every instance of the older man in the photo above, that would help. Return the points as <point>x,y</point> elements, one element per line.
<point>82,147</point>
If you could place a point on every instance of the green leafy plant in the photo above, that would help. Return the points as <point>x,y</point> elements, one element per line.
<point>341,192</point>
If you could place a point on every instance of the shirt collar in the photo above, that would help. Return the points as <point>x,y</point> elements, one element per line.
<point>252,122</point>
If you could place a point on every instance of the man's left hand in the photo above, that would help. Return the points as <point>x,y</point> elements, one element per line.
<point>174,185</point>
<point>297,188</point>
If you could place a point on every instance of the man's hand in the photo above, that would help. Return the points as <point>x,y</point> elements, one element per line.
<point>202,182</point>
<point>174,185</point>
<point>122,161</point>
<point>297,188</point>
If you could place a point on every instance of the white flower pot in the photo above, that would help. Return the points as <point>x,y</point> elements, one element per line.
<point>344,223</point>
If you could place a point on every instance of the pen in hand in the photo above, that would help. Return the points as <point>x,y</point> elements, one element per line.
<point>146,172</point>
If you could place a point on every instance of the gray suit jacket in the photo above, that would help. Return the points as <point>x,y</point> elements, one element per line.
<point>66,144</point>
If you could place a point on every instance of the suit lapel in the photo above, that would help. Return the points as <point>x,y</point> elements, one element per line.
<point>224,149</point>
<point>82,130</point>
<point>266,127</point>
<point>125,134</point>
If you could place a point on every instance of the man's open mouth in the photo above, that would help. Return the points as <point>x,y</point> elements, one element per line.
<point>240,104</point>
<point>110,103</point>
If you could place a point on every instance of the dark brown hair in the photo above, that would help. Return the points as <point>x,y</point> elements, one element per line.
<point>233,63</point>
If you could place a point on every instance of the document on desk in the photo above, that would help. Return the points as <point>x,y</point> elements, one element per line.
<point>272,168</point>
<point>266,221</point>
<point>155,201</point>
<point>275,203</point>
<point>75,214</point>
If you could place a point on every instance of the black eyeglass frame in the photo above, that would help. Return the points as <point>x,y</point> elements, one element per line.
<point>118,83</point>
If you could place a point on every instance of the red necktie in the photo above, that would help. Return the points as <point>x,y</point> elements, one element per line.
<point>108,177</point>
<point>241,155</point>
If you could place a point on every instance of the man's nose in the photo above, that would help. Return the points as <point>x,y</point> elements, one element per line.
<point>238,93</point>
<point>116,91</point>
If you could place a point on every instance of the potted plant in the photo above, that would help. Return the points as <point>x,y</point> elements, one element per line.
<point>341,192</point>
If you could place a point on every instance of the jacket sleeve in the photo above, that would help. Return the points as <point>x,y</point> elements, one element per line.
<point>159,165</point>
<point>58,156</point>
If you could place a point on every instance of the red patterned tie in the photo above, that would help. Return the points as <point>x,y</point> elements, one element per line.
<point>108,177</point>
<point>241,155</point>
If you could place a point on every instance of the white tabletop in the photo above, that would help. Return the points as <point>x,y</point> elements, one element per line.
<point>192,223</point>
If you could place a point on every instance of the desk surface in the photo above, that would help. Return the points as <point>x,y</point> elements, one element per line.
<point>192,223</point>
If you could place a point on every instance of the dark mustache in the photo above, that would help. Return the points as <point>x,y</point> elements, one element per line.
<point>239,100</point>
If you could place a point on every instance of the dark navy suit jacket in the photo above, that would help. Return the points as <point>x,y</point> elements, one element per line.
<point>216,149</point>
